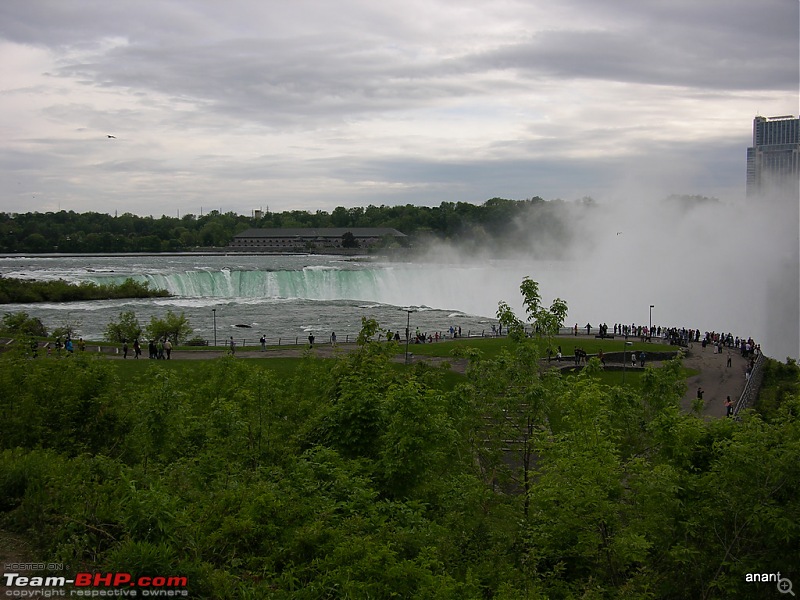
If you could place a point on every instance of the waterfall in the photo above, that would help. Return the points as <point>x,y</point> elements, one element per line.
<point>310,283</point>
<point>474,290</point>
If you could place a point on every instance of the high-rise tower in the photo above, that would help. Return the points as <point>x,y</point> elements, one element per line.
<point>773,161</point>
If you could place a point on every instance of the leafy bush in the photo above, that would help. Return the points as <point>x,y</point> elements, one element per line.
<point>125,328</point>
<point>21,323</point>
<point>22,290</point>
<point>353,478</point>
<point>175,327</point>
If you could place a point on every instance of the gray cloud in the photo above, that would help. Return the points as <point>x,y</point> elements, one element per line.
<point>313,104</point>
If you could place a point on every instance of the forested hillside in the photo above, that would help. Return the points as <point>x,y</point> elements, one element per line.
<point>497,220</point>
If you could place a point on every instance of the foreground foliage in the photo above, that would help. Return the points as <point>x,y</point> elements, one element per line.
<point>360,480</point>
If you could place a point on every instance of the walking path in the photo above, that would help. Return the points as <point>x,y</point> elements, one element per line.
<point>715,378</point>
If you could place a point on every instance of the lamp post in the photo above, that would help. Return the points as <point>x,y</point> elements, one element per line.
<point>652,306</point>
<point>625,359</point>
<point>408,332</point>
<point>214,313</point>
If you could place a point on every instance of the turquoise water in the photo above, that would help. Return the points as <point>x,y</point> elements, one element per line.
<point>284,297</point>
<point>290,296</point>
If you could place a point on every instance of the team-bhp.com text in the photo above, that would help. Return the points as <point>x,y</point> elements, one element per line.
<point>95,585</point>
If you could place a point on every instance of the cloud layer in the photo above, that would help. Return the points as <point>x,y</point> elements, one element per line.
<point>312,104</point>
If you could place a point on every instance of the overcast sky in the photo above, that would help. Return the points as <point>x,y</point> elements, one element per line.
<point>311,104</point>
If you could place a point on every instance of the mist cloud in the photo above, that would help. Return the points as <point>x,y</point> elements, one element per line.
<point>724,265</point>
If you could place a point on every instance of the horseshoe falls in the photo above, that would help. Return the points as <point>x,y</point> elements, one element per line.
<point>312,283</point>
<point>278,296</point>
<point>471,290</point>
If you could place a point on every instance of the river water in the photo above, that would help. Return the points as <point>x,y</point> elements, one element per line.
<point>279,296</point>
<point>292,296</point>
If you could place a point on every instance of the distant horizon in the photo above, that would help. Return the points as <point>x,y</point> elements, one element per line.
<point>117,214</point>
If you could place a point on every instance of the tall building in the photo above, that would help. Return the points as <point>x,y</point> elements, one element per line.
<point>773,161</point>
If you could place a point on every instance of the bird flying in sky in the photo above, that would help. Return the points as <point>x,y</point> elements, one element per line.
<point>113,137</point>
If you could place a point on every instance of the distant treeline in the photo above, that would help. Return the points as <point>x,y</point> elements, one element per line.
<point>22,291</point>
<point>494,222</point>
<point>534,225</point>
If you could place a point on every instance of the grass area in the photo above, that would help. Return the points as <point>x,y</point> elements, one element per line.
<point>284,367</point>
<point>633,377</point>
<point>287,367</point>
<point>491,347</point>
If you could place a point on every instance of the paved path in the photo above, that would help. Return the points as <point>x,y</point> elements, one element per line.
<point>715,378</point>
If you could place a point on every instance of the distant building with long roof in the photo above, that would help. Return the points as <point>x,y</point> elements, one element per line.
<point>314,238</point>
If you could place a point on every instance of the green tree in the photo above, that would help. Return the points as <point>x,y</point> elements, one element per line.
<point>21,323</point>
<point>172,326</point>
<point>68,328</point>
<point>546,322</point>
<point>349,240</point>
<point>125,328</point>
<point>36,242</point>
<point>340,217</point>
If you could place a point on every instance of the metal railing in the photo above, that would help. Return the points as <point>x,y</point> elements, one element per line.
<point>298,340</point>
<point>751,387</point>
<point>347,338</point>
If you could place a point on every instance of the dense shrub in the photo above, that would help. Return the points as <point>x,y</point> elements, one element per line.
<point>353,478</point>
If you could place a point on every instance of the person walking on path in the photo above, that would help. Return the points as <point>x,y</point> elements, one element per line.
<point>728,407</point>
<point>233,346</point>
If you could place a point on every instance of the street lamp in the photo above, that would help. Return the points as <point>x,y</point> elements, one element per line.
<point>408,331</point>
<point>214,312</point>
<point>625,359</point>
<point>652,306</point>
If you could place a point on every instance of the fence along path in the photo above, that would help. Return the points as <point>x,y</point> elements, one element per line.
<point>751,387</point>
